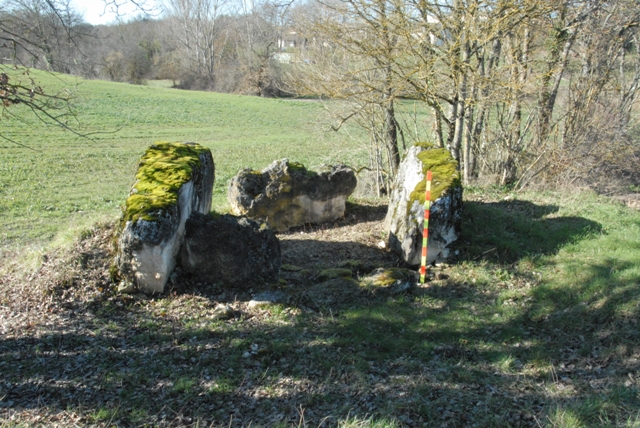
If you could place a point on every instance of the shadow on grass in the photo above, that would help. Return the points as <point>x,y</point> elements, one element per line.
<point>504,351</point>
<point>507,231</point>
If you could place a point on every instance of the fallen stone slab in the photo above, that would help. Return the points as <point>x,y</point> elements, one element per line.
<point>286,194</point>
<point>405,217</point>
<point>230,250</point>
<point>173,181</point>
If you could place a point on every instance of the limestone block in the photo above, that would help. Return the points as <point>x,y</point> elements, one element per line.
<point>230,250</point>
<point>287,195</point>
<point>173,181</point>
<point>405,217</point>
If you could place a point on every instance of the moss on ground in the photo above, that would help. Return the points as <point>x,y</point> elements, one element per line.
<point>163,169</point>
<point>444,170</point>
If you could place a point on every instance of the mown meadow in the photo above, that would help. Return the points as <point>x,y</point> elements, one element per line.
<point>533,323</point>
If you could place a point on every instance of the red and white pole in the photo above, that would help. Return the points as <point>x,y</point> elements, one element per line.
<point>425,232</point>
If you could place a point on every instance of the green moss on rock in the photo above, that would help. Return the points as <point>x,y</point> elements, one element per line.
<point>299,168</point>
<point>334,273</point>
<point>388,277</point>
<point>163,169</point>
<point>444,170</point>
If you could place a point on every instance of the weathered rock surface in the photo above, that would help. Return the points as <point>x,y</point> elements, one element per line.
<point>405,217</point>
<point>173,181</point>
<point>287,195</point>
<point>230,250</point>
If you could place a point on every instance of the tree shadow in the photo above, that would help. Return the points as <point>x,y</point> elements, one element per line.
<point>416,358</point>
<point>508,231</point>
<point>455,353</point>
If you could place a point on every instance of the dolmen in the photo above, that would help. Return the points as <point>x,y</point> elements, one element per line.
<point>286,194</point>
<point>166,221</point>
<point>405,217</point>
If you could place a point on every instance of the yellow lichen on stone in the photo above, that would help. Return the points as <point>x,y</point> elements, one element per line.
<point>163,169</point>
<point>444,170</point>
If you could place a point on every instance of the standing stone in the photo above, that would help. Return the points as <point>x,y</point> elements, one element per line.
<point>405,218</point>
<point>173,181</point>
<point>287,195</point>
<point>230,250</point>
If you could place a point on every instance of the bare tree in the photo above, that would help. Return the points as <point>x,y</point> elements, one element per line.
<point>44,34</point>
<point>198,32</point>
<point>350,56</point>
<point>499,76</point>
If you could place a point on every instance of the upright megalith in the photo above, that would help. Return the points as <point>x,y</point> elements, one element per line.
<point>173,181</point>
<point>286,194</point>
<point>405,217</point>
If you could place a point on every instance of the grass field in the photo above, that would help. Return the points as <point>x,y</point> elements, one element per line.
<point>62,179</point>
<point>535,323</point>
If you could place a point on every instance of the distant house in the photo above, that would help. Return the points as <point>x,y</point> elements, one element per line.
<point>290,39</point>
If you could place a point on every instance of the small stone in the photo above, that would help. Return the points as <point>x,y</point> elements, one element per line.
<point>290,268</point>
<point>126,287</point>
<point>223,312</point>
<point>267,298</point>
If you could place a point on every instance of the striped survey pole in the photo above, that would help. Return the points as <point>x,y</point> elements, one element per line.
<point>425,232</point>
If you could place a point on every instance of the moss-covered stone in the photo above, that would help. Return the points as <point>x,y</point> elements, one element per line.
<point>333,273</point>
<point>290,268</point>
<point>356,266</point>
<point>163,169</point>
<point>298,167</point>
<point>444,171</point>
<point>388,277</point>
<point>173,181</point>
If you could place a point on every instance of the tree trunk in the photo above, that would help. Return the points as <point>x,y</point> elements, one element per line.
<point>391,127</point>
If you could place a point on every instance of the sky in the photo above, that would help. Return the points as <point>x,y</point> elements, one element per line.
<point>94,11</point>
